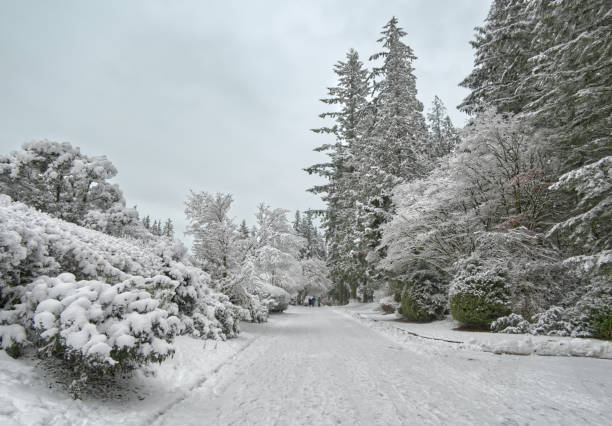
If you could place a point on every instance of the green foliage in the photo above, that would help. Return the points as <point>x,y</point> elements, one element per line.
<point>602,322</point>
<point>424,297</point>
<point>475,311</point>
<point>413,311</point>
<point>479,293</point>
<point>14,350</point>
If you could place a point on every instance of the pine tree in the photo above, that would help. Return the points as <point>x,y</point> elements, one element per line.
<point>350,99</point>
<point>297,222</point>
<point>244,230</point>
<point>571,73</point>
<point>146,222</point>
<point>395,148</point>
<point>503,48</point>
<point>443,135</point>
<point>399,135</point>
<point>168,230</point>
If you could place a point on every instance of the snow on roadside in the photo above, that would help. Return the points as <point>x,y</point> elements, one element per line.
<point>444,332</point>
<point>30,395</point>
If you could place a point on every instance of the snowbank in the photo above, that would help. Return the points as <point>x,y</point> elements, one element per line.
<point>445,332</point>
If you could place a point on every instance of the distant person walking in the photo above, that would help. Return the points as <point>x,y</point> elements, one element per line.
<point>314,301</point>
<point>319,302</point>
<point>310,301</point>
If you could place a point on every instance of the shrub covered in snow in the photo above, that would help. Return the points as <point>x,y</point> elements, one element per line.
<point>96,326</point>
<point>388,305</point>
<point>33,244</point>
<point>276,298</point>
<point>479,294</point>
<point>511,324</point>
<point>424,296</point>
<point>592,314</point>
<point>551,322</point>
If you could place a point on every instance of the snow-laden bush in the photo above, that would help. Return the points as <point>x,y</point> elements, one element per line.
<point>551,322</point>
<point>424,297</point>
<point>33,244</point>
<point>96,326</point>
<point>275,298</point>
<point>479,294</point>
<point>388,305</point>
<point>511,324</point>
<point>592,314</point>
<point>12,337</point>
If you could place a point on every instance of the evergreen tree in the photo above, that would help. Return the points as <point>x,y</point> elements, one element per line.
<point>168,230</point>
<point>398,138</point>
<point>395,149</point>
<point>503,48</point>
<point>350,99</point>
<point>297,222</point>
<point>243,230</point>
<point>443,135</point>
<point>146,222</point>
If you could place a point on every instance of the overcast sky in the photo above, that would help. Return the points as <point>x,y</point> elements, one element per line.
<point>214,96</point>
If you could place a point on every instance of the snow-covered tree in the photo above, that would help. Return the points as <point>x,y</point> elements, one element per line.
<point>503,48</point>
<point>397,141</point>
<point>168,230</point>
<point>395,149</point>
<point>214,232</point>
<point>244,230</point>
<point>339,221</point>
<point>584,234</point>
<point>58,179</point>
<point>443,135</point>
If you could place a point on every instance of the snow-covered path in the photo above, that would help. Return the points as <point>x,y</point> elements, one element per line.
<point>316,366</point>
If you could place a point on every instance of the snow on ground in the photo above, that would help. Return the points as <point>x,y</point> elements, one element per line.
<point>316,366</point>
<point>320,366</point>
<point>31,393</point>
<point>446,331</point>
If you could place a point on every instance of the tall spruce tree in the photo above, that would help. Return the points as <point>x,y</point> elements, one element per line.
<point>349,98</point>
<point>395,149</point>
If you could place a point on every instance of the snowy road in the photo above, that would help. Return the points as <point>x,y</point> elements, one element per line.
<point>315,366</point>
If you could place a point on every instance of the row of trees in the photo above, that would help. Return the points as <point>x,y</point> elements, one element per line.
<point>258,268</point>
<point>157,228</point>
<point>382,140</point>
<point>512,221</point>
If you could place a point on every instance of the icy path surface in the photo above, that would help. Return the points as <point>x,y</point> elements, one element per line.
<point>315,366</point>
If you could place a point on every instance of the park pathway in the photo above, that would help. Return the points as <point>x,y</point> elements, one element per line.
<point>316,366</point>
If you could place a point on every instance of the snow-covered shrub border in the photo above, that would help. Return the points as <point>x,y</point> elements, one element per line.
<point>33,244</point>
<point>95,326</point>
